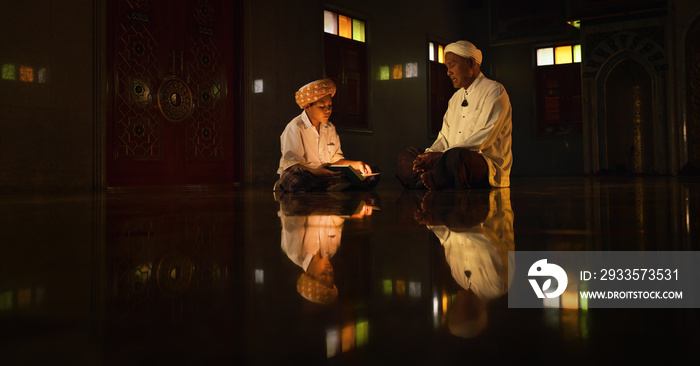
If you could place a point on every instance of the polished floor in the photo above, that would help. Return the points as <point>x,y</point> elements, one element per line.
<point>213,276</point>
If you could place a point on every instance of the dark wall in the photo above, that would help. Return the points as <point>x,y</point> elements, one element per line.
<point>47,120</point>
<point>533,154</point>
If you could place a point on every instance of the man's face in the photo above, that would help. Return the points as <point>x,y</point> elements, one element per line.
<point>460,70</point>
<point>320,110</point>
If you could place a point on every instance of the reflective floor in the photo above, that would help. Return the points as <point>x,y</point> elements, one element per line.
<point>240,277</point>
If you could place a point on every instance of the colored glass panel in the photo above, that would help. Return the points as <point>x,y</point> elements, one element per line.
<point>332,342</point>
<point>348,338</point>
<point>412,70</point>
<point>545,56</point>
<point>358,30</point>
<point>24,297</point>
<point>397,71</point>
<point>258,86</point>
<point>569,300</point>
<point>344,26</point>
<point>9,72</point>
<point>388,287</point>
<point>562,55</point>
<point>414,289</point>
<point>441,54</point>
<point>400,287</point>
<point>5,300</point>
<point>384,73</point>
<point>361,333</point>
<point>26,73</point>
<point>42,76</point>
<point>577,53</point>
<point>330,22</point>
<point>431,51</point>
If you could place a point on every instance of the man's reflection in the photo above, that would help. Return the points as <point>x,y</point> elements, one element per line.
<point>312,226</point>
<point>476,231</point>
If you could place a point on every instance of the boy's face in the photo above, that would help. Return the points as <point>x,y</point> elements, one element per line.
<point>321,270</point>
<point>320,110</point>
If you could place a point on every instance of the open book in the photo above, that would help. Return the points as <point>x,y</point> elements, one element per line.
<point>351,173</point>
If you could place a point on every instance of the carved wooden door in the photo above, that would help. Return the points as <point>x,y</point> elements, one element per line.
<point>172,110</point>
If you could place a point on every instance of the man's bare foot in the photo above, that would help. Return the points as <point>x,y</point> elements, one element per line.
<point>428,181</point>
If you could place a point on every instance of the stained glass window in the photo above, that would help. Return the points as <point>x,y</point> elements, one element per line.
<point>24,73</point>
<point>559,55</point>
<point>343,26</point>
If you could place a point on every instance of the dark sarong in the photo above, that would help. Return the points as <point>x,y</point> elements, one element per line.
<point>458,168</point>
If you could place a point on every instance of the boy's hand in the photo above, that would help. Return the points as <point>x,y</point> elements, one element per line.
<point>362,167</point>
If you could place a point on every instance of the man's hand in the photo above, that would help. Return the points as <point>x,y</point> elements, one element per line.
<point>425,161</point>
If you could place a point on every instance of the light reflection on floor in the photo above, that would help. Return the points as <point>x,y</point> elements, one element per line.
<point>214,276</point>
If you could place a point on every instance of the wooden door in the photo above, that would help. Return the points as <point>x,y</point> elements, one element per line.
<point>346,65</point>
<point>173,117</point>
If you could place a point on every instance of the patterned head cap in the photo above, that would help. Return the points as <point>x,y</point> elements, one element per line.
<point>314,91</point>
<point>315,291</point>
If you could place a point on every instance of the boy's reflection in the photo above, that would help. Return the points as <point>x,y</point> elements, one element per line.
<point>476,232</point>
<point>312,226</point>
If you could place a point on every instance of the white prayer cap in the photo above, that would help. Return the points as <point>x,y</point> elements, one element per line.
<point>465,49</point>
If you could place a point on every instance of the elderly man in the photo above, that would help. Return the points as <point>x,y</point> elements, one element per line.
<point>473,148</point>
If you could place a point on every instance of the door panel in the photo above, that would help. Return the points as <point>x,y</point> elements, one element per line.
<point>172,119</point>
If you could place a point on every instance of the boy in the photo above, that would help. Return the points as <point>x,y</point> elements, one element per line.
<point>310,143</point>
